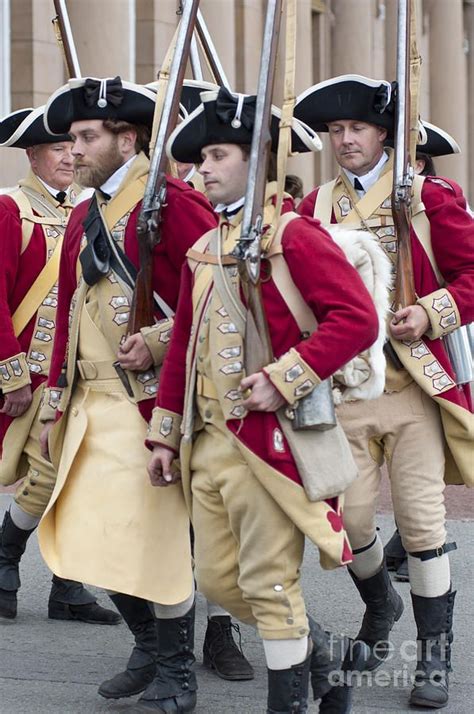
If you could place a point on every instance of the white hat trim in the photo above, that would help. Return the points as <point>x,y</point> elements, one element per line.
<point>27,121</point>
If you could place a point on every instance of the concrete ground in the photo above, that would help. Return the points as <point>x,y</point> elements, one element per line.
<point>55,667</point>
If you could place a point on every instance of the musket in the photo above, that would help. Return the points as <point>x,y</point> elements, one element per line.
<point>65,40</point>
<point>210,52</point>
<point>248,249</point>
<point>403,172</point>
<point>149,219</point>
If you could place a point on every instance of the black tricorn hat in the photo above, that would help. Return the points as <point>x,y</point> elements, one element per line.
<point>350,96</point>
<point>190,94</point>
<point>433,141</point>
<point>94,98</point>
<point>25,128</point>
<point>227,118</point>
<point>438,142</point>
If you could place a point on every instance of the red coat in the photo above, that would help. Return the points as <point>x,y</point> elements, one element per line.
<point>186,216</point>
<point>343,308</point>
<point>452,239</point>
<point>18,271</point>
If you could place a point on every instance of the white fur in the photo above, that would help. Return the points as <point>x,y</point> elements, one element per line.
<point>364,376</point>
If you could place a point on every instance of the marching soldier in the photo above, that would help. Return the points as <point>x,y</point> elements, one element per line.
<point>105,521</point>
<point>437,142</point>
<point>421,402</point>
<point>33,217</point>
<point>254,499</point>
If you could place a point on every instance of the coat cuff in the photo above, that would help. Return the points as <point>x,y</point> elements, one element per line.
<point>292,376</point>
<point>49,404</point>
<point>442,311</point>
<point>157,338</point>
<point>165,429</point>
<point>14,373</point>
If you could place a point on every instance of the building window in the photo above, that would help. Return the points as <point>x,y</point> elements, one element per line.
<point>5,95</point>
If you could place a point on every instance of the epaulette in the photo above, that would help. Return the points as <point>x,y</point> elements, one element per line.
<point>441,182</point>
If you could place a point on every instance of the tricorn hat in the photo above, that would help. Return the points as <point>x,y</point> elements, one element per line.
<point>25,128</point>
<point>435,141</point>
<point>190,94</point>
<point>94,98</point>
<point>350,96</point>
<point>224,117</point>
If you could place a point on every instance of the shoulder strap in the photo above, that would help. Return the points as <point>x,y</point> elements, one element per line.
<point>323,204</point>
<point>371,200</point>
<point>281,275</point>
<point>26,216</point>
<point>421,225</point>
<point>38,291</point>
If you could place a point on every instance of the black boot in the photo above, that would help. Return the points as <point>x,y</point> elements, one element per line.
<point>141,666</point>
<point>434,621</point>
<point>402,575</point>
<point>384,608</point>
<point>69,600</point>
<point>221,653</point>
<point>173,690</point>
<point>332,662</point>
<point>12,546</point>
<point>288,689</point>
<point>394,551</point>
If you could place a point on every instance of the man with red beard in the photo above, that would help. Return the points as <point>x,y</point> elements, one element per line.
<point>105,521</point>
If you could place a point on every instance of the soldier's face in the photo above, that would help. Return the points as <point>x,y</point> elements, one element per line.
<point>98,153</point>
<point>53,163</point>
<point>357,146</point>
<point>224,169</point>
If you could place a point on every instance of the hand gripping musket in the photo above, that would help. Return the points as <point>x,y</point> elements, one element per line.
<point>258,350</point>
<point>65,40</point>
<point>148,225</point>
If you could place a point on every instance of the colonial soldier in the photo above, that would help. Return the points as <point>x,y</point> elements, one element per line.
<point>422,403</point>
<point>33,217</point>
<point>433,142</point>
<point>105,521</point>
<point>254,499</point>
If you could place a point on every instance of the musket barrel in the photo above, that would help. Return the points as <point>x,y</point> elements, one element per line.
<point>211,54</point>
<point>402,79</point>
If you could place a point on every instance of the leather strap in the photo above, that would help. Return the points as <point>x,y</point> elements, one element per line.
<point>38,291</point>
<point>205,387</point>
<point>435,552</point>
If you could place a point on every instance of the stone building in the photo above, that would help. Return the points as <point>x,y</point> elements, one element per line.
<point>130,37</point>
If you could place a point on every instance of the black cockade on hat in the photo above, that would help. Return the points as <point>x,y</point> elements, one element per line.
<point>227,108</point>
<point>101,92</point>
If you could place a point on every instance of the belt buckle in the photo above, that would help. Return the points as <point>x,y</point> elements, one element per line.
<point>439,551</point>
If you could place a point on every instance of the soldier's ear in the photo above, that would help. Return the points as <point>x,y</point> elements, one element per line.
<point>127,140</point>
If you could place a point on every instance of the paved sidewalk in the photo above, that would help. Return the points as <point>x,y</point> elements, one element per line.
<point>50,667</point>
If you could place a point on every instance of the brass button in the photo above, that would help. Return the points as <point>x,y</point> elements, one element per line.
<point>74,411</point>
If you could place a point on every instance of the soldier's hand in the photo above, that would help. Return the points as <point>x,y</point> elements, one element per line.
<point>264,397</point>
<point>43,440</point>
<point>160,467</point>
<point>134,354</point>
<point>16,403</point>
<point>409,323</point>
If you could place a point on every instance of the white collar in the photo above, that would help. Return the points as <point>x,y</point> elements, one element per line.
<point>53,191</point>
<point>113,182</point>
<point>368,179</point>
<point>231,207</point>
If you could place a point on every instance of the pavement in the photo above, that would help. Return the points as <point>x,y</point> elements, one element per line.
<point>54,667</point>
